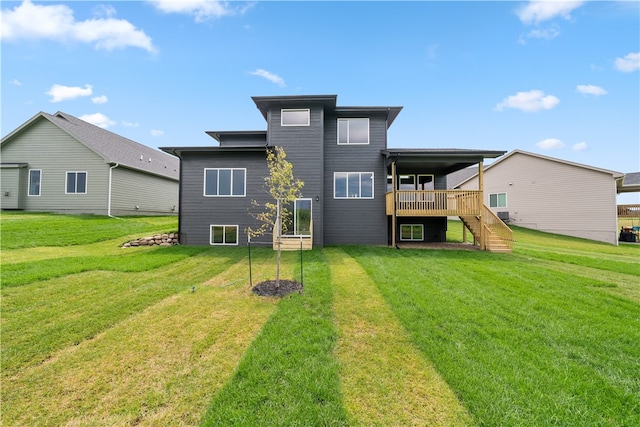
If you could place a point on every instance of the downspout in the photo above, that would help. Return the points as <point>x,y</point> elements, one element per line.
<point>109,193</point>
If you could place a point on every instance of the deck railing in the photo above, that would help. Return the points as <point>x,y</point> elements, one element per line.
<point>629,211</point>
<point>434,203</point>
<point>498,227</point>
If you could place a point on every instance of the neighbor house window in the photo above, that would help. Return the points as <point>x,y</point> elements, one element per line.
<point>353,131</point>
<point>412,232</point>
<point>498,200</point>
<point>76,183</point>
<point>299,117</point>
<point>224,235</point>
<point>225,182</point>
<point>35,175</point>
<point>357,185</point>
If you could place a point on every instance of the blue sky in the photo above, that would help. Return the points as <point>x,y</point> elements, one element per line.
<point>556,78</point>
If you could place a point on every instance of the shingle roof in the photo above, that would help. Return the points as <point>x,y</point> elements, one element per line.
<point>112,147</point>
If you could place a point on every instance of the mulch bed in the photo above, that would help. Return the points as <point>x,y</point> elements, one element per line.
<point>269,288</point>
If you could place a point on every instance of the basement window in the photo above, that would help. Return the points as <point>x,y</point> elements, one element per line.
<point>224,235</point>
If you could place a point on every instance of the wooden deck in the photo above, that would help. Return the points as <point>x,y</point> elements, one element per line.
<point>434,203</point>
<point>629,211</point>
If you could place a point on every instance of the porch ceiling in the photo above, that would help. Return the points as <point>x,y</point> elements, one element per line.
<point>440,161</point>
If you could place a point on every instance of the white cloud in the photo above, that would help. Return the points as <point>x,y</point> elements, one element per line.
<point>130,124</point>
<point>533,100</point>
<point>202,10</point>
<point>102,99</point>
<point>98,119</point>
<point>591,90</point>
<point>273,78</point>
<point>629,63</point>
<point>550,144</point>
<point>580,146</point>
<point>538,11</point>
<point>15,82</point>
<point>62,93</point>
<point>56,22</point>
<point>157,133</point>
<point>548,33</point>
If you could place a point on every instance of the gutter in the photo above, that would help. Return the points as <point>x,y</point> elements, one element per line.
<point>109,193</point>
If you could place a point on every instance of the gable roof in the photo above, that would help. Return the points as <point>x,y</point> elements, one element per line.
<point>112,147</point>
<point>629,183</point>
<point>613,174</point>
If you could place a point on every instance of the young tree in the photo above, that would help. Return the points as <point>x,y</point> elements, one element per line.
<point>284,189</point>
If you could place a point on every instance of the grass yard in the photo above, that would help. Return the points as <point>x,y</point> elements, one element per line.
<point>96,335</point>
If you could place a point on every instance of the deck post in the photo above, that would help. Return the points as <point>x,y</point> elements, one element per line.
<point>483,243</point>
<point>393,215</point>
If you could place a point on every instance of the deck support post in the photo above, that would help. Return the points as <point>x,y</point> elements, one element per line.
<point>393,215</point>
<point>483,243</point>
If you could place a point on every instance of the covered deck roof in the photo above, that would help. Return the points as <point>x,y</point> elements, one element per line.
<point>436,160</point>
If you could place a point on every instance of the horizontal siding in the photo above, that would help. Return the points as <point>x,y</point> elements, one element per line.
<point>12,183</point>
<point>45,146</point>
<point>135,193</point>
<point>198,213</point>
<point>554,197</point>
<point>304,148</point>
<point>355,221</point>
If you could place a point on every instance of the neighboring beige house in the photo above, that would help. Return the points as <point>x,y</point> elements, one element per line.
<point>552,195</point>
<point>59,163</point>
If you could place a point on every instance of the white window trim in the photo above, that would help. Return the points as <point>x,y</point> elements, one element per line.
<point>497,200</point>
<point>295,109</point>
<point>223,234</point>
<point>39,189</point>
<point>373,192</point>
<point>66,181</point>
<point>412,239</point>
<point>204,183</point>
<point>295,216</point>
<point>352,143</point>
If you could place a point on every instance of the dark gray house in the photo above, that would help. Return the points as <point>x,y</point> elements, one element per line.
<point>357,190</point>
<point>59,163</point>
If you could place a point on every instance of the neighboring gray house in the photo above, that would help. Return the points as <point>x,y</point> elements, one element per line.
<point>548,194</point>
<point>356,189</point>
<point>59,163</point>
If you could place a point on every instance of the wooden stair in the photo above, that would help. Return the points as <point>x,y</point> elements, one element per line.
<point>497,238</point>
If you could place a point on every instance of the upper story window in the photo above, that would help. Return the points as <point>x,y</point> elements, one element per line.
<point>35,175</point>
<point>353,131</point>
<point>295,117</point>
<point>76,183</point>
<point>225,182</point>
<point>353,185</point>
<point>498,200</point>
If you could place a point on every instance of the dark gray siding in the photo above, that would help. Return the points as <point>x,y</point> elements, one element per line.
<point>198,213</point>
<point>304,148</point>
<point>355,221</point>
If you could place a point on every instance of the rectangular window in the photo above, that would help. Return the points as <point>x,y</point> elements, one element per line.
<point>353,185</point>
<point>76,183</point>
<point>35,175</point>
<point>291,117</point>
<point>353,131</point>
<point>225,182</point>
<point>412,232</point>
<point>224,235</point>
<point>302,217</point>
<point>407,182</point>
<point>426,183</point>
<point>498,200</point>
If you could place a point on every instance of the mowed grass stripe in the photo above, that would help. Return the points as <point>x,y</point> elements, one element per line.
<point>288,376</point>
<point>43,317</point>
<point>385,380</point>
<point>159,367</point>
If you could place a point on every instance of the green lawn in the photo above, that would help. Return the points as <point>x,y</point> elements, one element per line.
<point>94,334</point>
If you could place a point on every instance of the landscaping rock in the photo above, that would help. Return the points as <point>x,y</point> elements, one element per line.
<point>165,239</point>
